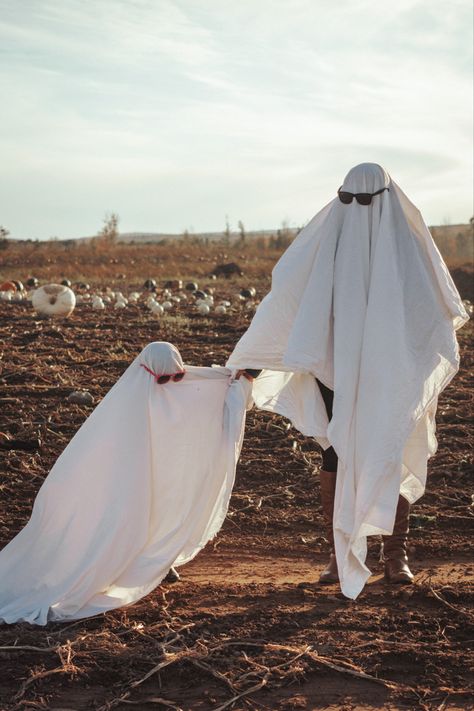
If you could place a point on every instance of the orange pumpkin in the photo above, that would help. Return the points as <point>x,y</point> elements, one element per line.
<point>8,286</point>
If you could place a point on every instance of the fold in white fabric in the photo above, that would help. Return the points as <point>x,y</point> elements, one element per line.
<point>144,484</point>
<point>363,301</point>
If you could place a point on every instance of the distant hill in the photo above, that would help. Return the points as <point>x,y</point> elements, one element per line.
<point>455,242</point>
<point>147,237</point>
<point>452,240</point>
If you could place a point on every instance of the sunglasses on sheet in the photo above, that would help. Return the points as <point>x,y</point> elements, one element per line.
<point>362,198</point>
<point>164,378</point>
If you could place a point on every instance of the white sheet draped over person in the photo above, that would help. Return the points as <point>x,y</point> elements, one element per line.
<point>144,484</point>
<point>362,301</point>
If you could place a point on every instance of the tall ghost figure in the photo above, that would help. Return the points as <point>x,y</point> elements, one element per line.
<point>361,300</point>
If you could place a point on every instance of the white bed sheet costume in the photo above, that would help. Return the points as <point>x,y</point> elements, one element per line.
<point>362,300</point>
<point>144,484</point>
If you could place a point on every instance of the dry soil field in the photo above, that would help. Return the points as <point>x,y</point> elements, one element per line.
<point>247,627</point>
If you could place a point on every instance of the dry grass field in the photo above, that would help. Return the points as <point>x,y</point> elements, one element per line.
<point>247,627</point>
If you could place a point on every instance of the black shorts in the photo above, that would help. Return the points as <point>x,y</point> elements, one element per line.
<point>329,455</point>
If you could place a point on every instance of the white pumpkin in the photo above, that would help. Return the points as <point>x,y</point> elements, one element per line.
<point>6,295</point>
<point>157,309</point>
<point>468,306</point>
<point>203,308</point>
<point>167,305</point>
<point>221,309</point>
<point>120,305</point>
<point>54,300</point>
<point>97,303</point>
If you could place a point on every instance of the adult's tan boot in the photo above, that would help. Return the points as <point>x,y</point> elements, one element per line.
<point>395,547</point>
<point>328,489</point>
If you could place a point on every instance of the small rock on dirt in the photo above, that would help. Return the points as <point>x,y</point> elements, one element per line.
<point>81,397</point>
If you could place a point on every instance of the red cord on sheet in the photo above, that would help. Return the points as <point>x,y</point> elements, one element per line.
<point>150,371</point>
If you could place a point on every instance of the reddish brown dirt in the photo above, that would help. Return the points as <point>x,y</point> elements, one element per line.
<point>248,616</point>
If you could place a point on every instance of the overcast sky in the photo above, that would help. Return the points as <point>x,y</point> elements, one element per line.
<point>176,113</point>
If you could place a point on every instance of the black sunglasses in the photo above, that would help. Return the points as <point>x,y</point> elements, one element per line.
<point>164,378</point>
<point>176,377</point>
<point>362,198</point>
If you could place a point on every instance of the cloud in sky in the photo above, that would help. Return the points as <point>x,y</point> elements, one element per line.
<point>174,113</point>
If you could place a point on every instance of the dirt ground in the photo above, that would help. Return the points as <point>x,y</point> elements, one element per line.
<point>247,627</point>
